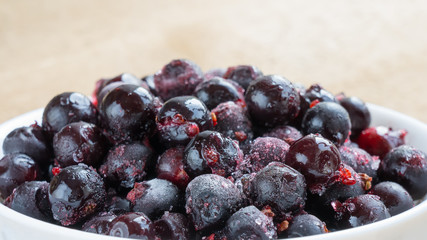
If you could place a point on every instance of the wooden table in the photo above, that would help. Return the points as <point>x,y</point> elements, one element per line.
<point>376,50</point>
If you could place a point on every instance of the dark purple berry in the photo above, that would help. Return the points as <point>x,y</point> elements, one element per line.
<point>242,74</point>
<point>380,140</point>
<point>134,225</point>
<point>128,113</point>
<point>155,196</point>
<point>126,164</point>
<point>265,150</point>
<point>360,116</point>
<point>76,193</point>
<point>177,78</point>
<point>170,167</point>
<point>117,204</point>
<point>250,223</point>
<point>30,198</point>
<point>361,210</point>
<point>99,223</point>
<point>180,119</point>
<point>215,72</point>
<point>279,187</point>
<point>211,152</point>
<point>407,166</point>
<point>211,200</point>
<point>66,108</point>
<point>287,133</point>
<point>30,141</point>
<point>360,160</point>
<point>173,226</point>
<point>232,121</point>
<point>272,100</point>
<point>394,197</point>
<point>15,169</point>
<point>305,225</point>
<point>328,119</point>
<point>79,142</point>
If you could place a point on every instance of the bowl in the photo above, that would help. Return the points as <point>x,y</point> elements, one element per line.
<point>407,225</point>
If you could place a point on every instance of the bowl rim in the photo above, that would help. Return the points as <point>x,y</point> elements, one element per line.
<point>384,225</point>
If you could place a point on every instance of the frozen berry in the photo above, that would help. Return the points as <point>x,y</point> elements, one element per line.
<point>76,193</point>
<point>173,226</point>
<point>394,197</point>
<point>30,198</point>
<point>272,100</point>
<point>265,150</point>
<point>328,119</point>
<point>360,160</point>
<point>316,158</point>
<point>287,133</point>
<point>242,74</point>
<point>79,142</point>
<point>211,200</point>
<point>177,78</point>
<point>170,167</point>
<point>218,90</point>
<point>180,119</point>
<point>211,152</point>
<point>305,225</point>
<point>134,225</point>
<point>360,116</point>
<point>99,223</point>
<point>250,223</point>
<point>15,169</point>
<point>128,113</point>
<point>407,166</point>
<point>30,141</point>
<point>215,72</point>
<point>153,197</point>
<point>380,140</point>
<point>279,187</point>
<point>125,164</point>
<point>66,108</point>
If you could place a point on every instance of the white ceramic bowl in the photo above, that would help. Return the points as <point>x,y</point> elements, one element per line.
<point>408,225</point>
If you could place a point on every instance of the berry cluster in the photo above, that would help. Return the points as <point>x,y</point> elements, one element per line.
<point>227,154</point>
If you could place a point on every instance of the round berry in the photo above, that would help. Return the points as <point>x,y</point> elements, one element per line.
<point>360,116</point>
<point>394,197</point>
<point>99,223</point>
<point>170,167</point>
<point>360,160</point>
<point>242,74</point>
<point>380,140</point>
<point>287,133</point>
<point>132,225</point>
<point>305,225</point>
<point>173,226</point>
<point>272,100</point>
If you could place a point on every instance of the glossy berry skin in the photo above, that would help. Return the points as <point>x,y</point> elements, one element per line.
<point>250,223</point>
<point>173,226</point>
<point>218,90</point>
<point>328,119</point>
<point>316,158</point>
<point>242,74</point>
<point>170,167</point>
<point>361,210</point>
<point>66,108</point>
<point>407,166</point>
<point>180,119</point>
<point>76,193</point>
<point>128,113</point>
<point>154,196</point>
<point>286,133</point>
<point>380,140</point>
<point>305,225</point>
<point>15,169</point>
<point>232,121</point>
<point>79,142</point>
<point>211,200</point>
<point>272,100</point>
<point>211,152</point>
<point>360,160</point>
<point>265,150</point>
<point>30,198</point>
<point>394,197</point>
<point>30,141</point>
<point>177,78</point>
<point>126,164</point>
<point>134,225</point>
<point>360,116</point>
<point>99,223</point>
<point>280,187</point>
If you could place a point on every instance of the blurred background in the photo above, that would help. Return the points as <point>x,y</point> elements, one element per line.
<point>376,50</point>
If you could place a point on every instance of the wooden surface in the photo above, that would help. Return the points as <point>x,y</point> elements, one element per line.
<point>376,50</point>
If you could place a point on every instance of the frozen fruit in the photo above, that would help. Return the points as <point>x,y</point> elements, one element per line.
<point>360,160</point>
<point>173,226</point>
<point>242,74</point>
<point>134,225</point>
<point>360,116</point>
<point>305,225</point>
<point>170,167</point>
<point>378,141</point>
<point>394,197</point>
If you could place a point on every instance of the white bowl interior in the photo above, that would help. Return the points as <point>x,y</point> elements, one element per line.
<point>407,225</point>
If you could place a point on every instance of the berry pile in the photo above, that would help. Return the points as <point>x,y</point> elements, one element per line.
<point>227,154</point>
